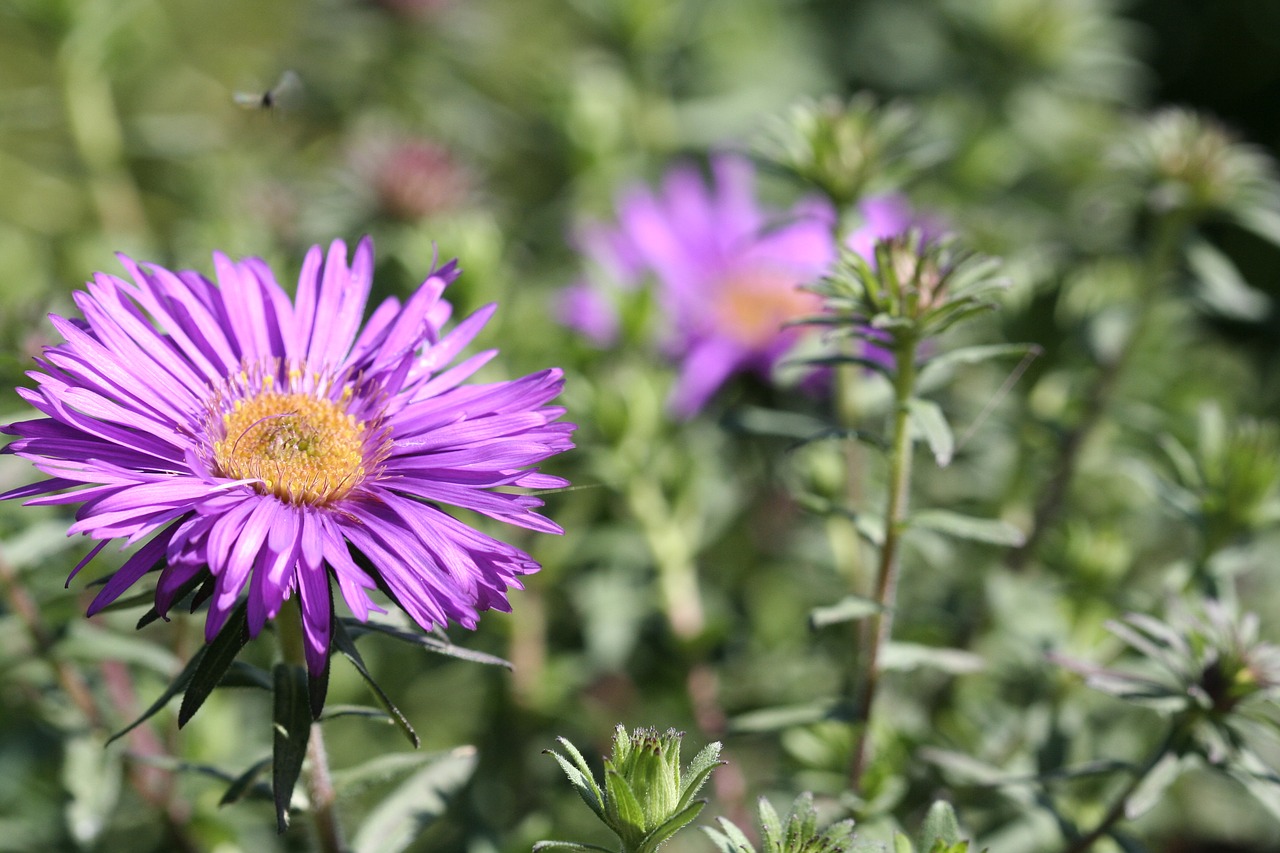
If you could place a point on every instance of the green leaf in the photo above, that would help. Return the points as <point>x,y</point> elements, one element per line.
<point>382,769</point>
<point>928,419</point>
<point>247,782</point>
<point>729,838</point>
<point>567,845</point>
<point>1153,785</point>
<point>671,826</point>
<point>175,687</point>
<point>333,712</point>
<point>774,719</point>
<point>906,657</point>
<point>990,530</point>
<point>856,360</point>
<point>1261,221</point>
<point>217,658</point>
<point>771,826</point>
<point>292,728</point>
<point>851,608</point>
<point>939,827</point>
<point>624,805</point>
<point>241,674</point>
<point>85,641</point>
<point>92,777</point>
<point>582,782</point>
<point>343,643</point>
<point>704,764</point>
<point>902,844</point>
<point>1222,287</point>
<point>400,818</point>
<point>439,644</point>
<point>934,370</point>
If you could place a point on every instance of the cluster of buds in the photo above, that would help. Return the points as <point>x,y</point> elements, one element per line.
<point>1208,669</point>
<point>1226,482</point>
<point>1180,162</point>
<point>844,149</point>
<point>912,289</point>
<point>798,834</point>
<point>645,798</point>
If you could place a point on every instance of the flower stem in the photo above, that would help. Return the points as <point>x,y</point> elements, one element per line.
<point>320,791</point>
<point>1086,841</point>
<point>879,627</point>
<point>1160,263</point>
<point>673,557</point>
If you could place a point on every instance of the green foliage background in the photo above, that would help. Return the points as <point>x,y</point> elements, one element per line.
<point>120,131</point>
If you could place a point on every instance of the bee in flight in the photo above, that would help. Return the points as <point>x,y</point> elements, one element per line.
<point>282,95</point>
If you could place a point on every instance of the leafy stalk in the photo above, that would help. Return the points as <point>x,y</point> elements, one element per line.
<point>879,627</point>
<point>1118,808</point>
<point>324,813</point>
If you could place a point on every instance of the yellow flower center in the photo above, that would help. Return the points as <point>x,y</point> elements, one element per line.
<point>754,304</point>
<point>301,448</point>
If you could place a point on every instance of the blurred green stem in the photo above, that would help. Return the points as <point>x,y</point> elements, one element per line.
<point>1160,262</point>
<point>672,555</point>
<point>1086,841</point>
<point>95,125</point>
<point>879,627</point>
<point>324,810</point>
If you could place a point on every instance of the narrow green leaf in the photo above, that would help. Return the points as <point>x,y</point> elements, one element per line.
<point>1222,287</point>
<point>1154,784</point>
<point>729,838</point>
<point>905,657</point>
<point>175,687</point>
<point>241,674</point>
<point>857,360</point>
<point>991,530</point>
<point>92,777</point>
<point>382,769</point>
<point>582,783</point>
<point>902,844</point>
<point>695,780</point>
<point>707,759</point>
<point>356,628</point>
<point>775,719</point>
<point>343,643</point>
<point>217,659</point>
<point>567,845</point>
<point>770,825</point>
<point>292,728</point>
<point>86,642</point>
<point>851,608</point>
<point>935,368</point>
<point>940,826</point>
<point>671,826</point>
<point>1262,221</point>
<point>399,819</point>
<point>928,419</point>
<point>623,803</point>
<point>332,712</point>
<point>246,782</point>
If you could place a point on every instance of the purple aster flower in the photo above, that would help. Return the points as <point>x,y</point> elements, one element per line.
<point>727,272</point>
<point>252,443</point>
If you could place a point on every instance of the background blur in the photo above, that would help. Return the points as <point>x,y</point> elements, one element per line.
<point>489,130</point>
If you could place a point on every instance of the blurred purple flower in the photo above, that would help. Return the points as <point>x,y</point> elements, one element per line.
<point>249,442</point>
<point>726,272</point>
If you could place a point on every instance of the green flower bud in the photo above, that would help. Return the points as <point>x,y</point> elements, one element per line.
<point>645,798</point>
